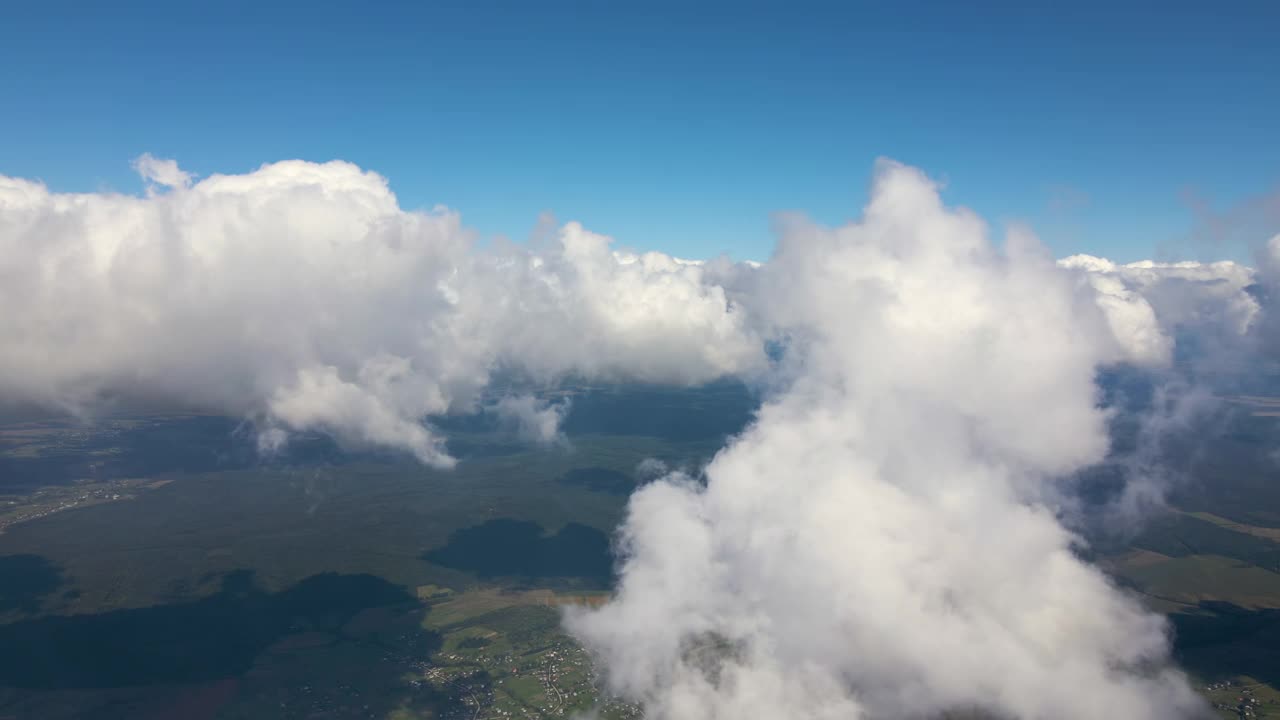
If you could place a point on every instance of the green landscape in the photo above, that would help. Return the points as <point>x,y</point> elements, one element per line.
<point>366,587</point>
<point>221,586</point>
<point>1211,562</point>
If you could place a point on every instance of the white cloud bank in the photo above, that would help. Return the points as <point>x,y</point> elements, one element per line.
<point>1201,297</point>
<point>302,296</point>
<point>875,545</point>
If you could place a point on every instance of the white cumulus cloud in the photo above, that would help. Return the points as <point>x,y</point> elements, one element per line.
<point>533,419</point>
<point>302,296</point>
<point>160,171</point>
<point>1189,294</point>
<point>873,546</point>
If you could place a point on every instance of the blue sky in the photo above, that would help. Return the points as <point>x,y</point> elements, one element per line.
<point>682,126</point>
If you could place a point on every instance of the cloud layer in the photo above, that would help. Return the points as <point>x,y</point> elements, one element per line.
<point>301,296</point>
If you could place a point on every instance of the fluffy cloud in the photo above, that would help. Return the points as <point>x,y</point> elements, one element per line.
<point>873,546</point>
<point>1203,298</point>
<point>161,172</point>
<point>302,296</point>
<point>1266,330</point>
<point>533,419</point>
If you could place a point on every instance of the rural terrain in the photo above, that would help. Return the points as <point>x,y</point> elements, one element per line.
<point>155,566</point>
